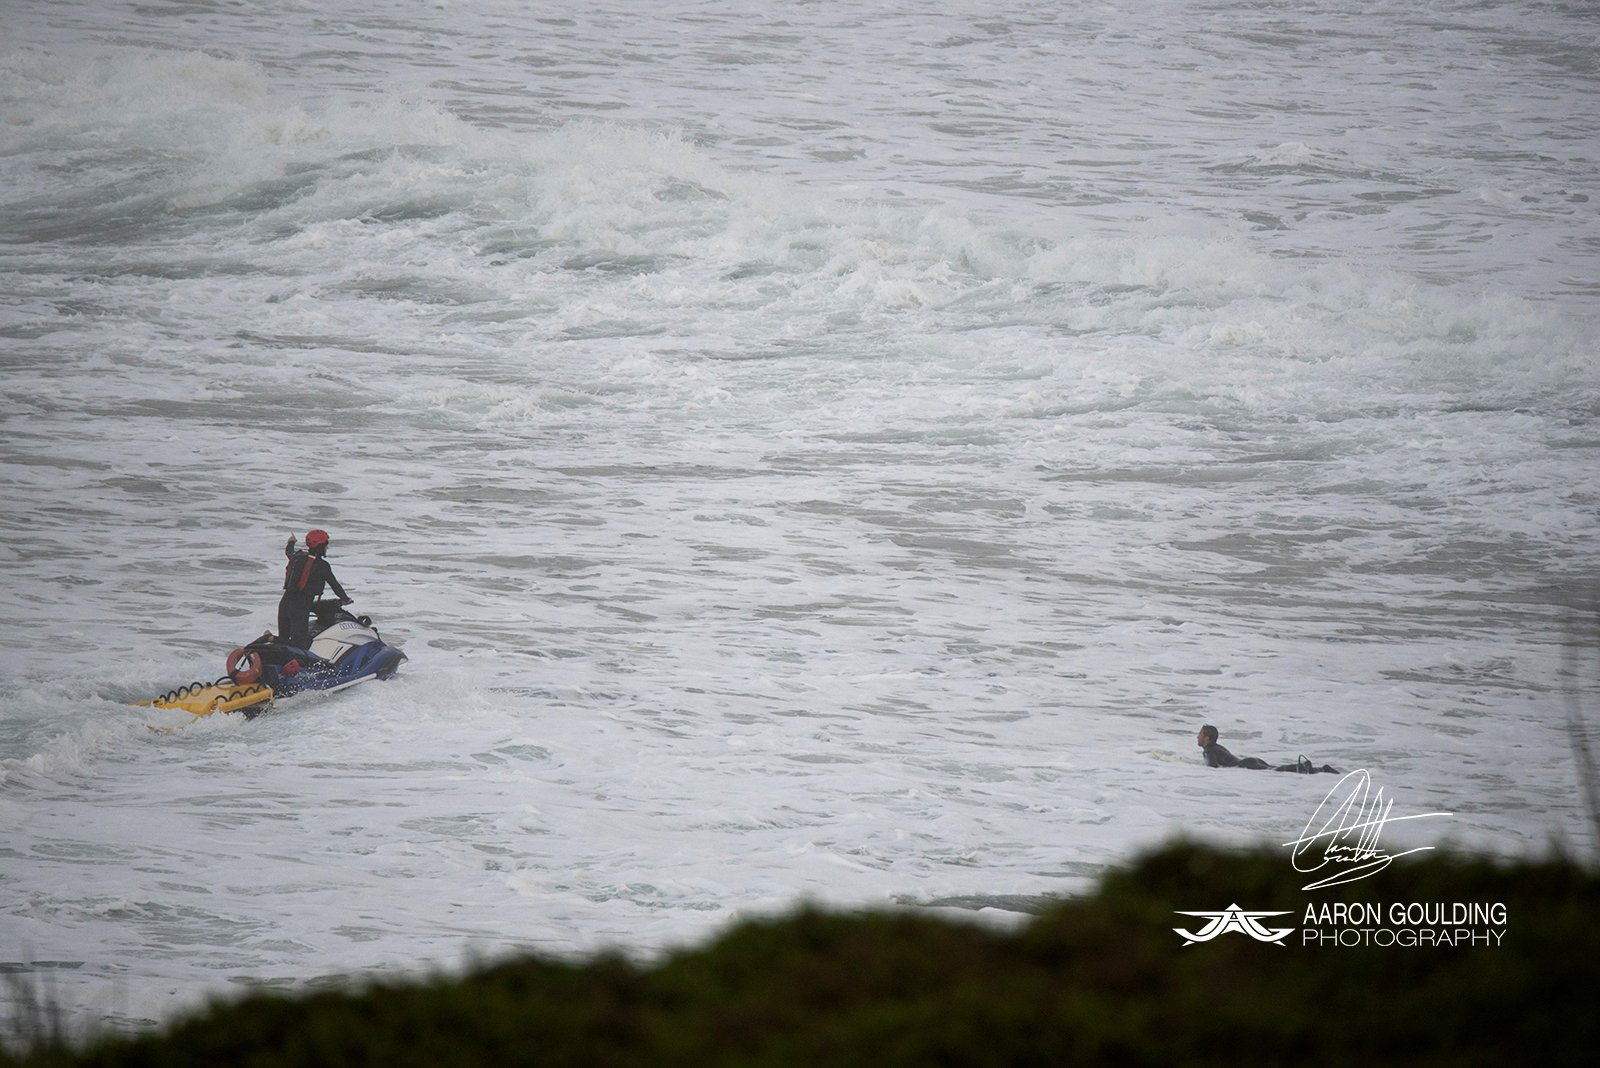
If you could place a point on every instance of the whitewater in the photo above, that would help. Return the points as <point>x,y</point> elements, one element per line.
<point>829,451</point>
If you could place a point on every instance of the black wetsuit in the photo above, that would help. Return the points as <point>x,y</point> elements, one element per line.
<point>1217,756</point>
<point>303,580</point>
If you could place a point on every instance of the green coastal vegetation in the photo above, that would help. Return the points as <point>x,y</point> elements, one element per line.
<point>1507,972</point>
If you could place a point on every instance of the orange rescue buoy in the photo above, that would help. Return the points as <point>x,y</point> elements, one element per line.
<point>244,666</point>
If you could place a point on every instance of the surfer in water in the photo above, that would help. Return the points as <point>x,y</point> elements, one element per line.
<point>1217,756</point>
<point>303,578</point>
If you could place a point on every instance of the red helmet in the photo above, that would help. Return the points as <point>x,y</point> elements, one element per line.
<point>316,539</point>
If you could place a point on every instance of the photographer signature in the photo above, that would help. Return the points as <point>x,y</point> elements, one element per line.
<point>1352,817</point>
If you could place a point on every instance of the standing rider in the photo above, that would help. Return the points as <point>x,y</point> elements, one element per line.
<point>303,579</point>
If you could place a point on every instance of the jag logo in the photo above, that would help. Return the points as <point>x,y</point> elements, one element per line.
<point>1233,918</point>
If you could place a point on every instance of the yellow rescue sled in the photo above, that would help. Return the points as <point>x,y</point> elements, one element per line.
<point>224,695</point>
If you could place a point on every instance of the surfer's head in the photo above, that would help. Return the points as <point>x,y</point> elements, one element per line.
<point>1207,736</point>
<point>317,541</point>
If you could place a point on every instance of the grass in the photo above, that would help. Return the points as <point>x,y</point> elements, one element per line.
<point>1097,980</point>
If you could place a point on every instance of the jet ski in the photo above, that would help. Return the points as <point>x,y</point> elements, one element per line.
<point>345,649</point>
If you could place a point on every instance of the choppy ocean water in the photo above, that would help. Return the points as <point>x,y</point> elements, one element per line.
<point>828,451</point>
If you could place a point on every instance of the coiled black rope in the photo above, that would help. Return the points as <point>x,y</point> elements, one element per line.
<point>195,687</point>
